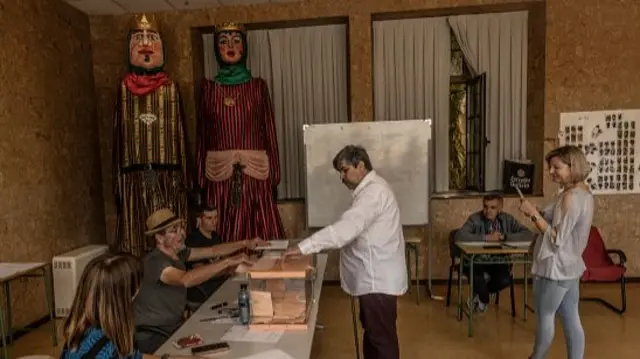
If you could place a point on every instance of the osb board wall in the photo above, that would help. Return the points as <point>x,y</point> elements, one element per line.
<point>588,66</point>
<point>50,182</point>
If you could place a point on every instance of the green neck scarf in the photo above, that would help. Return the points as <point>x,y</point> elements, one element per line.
<point>233,75</point>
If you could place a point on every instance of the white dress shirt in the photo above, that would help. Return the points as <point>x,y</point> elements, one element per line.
<point>369,235</point>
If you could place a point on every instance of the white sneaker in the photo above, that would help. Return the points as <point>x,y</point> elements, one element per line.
<point>472,303</point>
<point>482,307</point>
<point>476,305</point>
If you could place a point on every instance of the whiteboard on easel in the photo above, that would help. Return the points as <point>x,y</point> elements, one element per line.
<point>609,140</point>
<point>399,153</point>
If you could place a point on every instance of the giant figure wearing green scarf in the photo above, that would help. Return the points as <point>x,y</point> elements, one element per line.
<point>237,146</point>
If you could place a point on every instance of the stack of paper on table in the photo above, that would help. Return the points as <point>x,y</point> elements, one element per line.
<point>281,292</point>
<point>261,304</point>
<point>281,308</point>
<point>262,263</point>
<point>241,333</point>
<point>275,245</point>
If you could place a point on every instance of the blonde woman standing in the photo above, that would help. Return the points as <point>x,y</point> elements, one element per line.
<point>100,324</point>
<point>557,266</point>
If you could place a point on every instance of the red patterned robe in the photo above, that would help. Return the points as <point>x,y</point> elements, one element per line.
<point>240,117</point>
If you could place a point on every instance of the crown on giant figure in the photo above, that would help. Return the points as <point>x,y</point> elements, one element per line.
<point>229,27</point>
<point>145,22</point>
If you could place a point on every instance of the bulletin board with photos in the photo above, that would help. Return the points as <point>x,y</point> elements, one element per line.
<point>608,138</point>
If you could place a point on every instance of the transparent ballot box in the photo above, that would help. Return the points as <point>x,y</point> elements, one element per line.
<point>281,292</point>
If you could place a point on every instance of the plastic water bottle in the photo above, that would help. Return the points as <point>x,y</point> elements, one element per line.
<point>243,305</point>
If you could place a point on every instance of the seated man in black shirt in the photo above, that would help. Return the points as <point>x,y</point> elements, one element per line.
<point>205,235</point>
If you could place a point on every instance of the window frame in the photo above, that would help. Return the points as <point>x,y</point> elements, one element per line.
<point>476,139</point>
<point>477,142</point>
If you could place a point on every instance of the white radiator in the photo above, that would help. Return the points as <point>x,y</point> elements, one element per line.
<point>67,270</point>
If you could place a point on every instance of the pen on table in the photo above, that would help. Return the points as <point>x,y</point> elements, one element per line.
<point>219,305</point>
<point>519,192</point>
<point>211,319</point>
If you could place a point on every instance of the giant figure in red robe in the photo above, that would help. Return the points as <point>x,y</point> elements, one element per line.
<point>149,145</point>
<point>237,148</point>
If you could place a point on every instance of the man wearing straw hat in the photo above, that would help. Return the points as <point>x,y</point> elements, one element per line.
<point>162,298</point>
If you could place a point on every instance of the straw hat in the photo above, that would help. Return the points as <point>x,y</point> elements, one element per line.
<point>161,220</point>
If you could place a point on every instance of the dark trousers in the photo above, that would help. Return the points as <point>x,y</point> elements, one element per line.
<point>500,278</point>
<point>149,342</point>
<point>201,293</point>
<point>149,338</point>
<point>378,314</point>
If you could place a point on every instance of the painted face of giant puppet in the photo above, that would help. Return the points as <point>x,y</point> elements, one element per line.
<point>230,46</point>
<point>145,47</point>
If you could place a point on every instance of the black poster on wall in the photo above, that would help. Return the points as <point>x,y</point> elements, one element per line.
<point>517,173</point>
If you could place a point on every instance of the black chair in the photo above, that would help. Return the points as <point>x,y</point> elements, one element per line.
<point>454,253</point>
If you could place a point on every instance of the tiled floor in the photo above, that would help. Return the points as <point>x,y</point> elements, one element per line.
<point>430,330</point>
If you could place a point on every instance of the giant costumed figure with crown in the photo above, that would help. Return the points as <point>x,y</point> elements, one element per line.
<point>149,149</point>
<point>237,146</point>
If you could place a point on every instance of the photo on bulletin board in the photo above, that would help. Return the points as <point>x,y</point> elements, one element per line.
<point>609,140</point>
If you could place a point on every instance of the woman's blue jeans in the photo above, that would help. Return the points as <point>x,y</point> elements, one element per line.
<point>561,297</point>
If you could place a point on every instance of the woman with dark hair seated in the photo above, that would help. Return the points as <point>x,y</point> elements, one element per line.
<point>100,324</point>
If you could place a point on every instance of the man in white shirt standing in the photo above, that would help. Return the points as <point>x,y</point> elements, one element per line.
<point>372,261</point>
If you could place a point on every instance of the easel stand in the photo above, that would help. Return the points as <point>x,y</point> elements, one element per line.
<point>429,231</point>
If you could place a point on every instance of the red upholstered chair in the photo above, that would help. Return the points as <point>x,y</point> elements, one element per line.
<point>601,268</point>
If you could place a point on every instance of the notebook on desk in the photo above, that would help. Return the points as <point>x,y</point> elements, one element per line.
<point>472,244</point>
<point>487,245</point>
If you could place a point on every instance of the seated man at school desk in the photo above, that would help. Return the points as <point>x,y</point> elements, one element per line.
<point>490,225</point>
<point>162,299</point>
